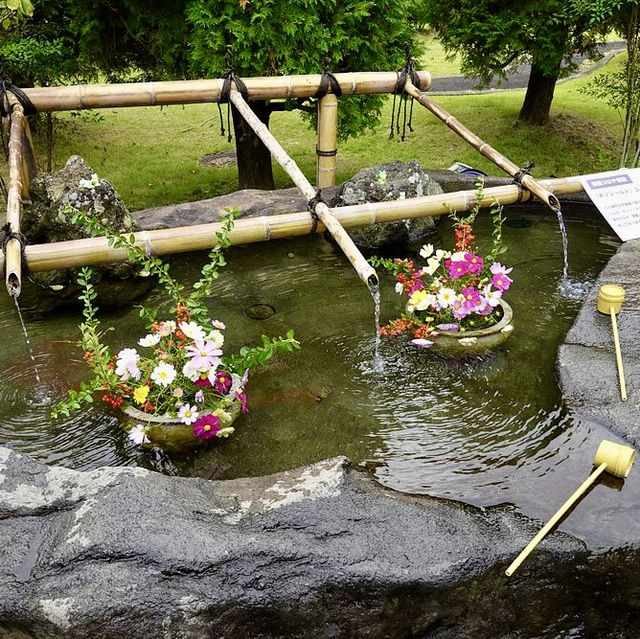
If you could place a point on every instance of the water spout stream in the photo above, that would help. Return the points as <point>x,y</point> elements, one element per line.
<point>26,337</point>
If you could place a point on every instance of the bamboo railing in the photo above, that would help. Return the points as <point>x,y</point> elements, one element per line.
<point>483,148</point>
<point>98,96</point>
<point>365,271</point>
<point>89,251</point>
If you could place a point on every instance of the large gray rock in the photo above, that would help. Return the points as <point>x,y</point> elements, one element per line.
<point>586,360</point>
<point>382,183</point>
<point>320,551</point>
<point>44,221</point>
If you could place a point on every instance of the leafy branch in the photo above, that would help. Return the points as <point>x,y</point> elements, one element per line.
<point>249,357</point>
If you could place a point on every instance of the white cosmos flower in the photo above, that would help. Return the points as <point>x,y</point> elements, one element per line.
<point>440,255</point>
<point>149,340</point>
<point>458,256</point>
<point>216,337</point>
<point>192,330</point>
<point>163,374</point>
<point>138,435</point>
<point>446,297</point>
<point>425,302</point>
<point>190,372</point>
<point>426,250</point>
<point>188,414</point>
<point>399,288</point>
<point>432,265</point>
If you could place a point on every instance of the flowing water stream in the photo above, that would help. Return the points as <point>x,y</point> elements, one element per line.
<point>484,430</point>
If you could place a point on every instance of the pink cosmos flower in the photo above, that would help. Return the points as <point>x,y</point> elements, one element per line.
<point>127,364</point>
<point>471,297</point>
<point>460,311</point>
<point>203,354</point>
<point>242,396</point>
<point>457,269</point>
<point>492,297</point>
<point>474,263</point>
<point>501,281</point>
<point>223,382</point>
<point>206,426</point>
<point>498,269</point>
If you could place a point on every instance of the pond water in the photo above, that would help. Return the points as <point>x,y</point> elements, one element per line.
<point>485,430</point>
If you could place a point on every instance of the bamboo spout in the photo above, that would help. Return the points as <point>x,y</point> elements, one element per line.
<point>365,271</point>
<point>485,149</point>
<point>13,247</point>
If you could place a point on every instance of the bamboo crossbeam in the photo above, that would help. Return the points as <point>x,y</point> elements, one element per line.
<point>99,96</point>
<point>483,148</point>
<point>90,251</point>
<point>364,270</point>
<point>15,189</point>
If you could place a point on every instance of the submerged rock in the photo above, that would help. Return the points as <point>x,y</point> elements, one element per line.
<point>386,182</point>
<point>320,551</point>
<point>44,220</point>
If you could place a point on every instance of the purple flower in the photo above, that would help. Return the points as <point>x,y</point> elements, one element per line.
<point>206,426</point>
<point>203,380</point>
<point>222,382</point>
<point>203,354</point>
<point>422,343</point>
<point>460,311</point>
<point>199,397</point>
<point>457,268</point>
<point>501,281</point>
<point>451,328</point>
<point>242,396</point>
<point>418,285</point>
<point>474,263</point>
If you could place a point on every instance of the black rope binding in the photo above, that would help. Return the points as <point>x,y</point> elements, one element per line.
<point>407,72</point>
<point>517,179</point>
<point>6,86</point>
<point>225,92</point>
<point>327,81</point>
<point>7,235</point>
<point>311,205</point>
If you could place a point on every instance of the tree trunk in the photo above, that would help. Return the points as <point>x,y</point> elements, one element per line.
<point>537,101</point>
<point>254,159</point>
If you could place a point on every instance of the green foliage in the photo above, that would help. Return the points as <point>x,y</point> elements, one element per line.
<point>279,38</point>
<point>250,357</point>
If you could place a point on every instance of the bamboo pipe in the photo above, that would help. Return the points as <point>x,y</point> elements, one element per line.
<point>29,163</point>
<point>327,140</point>
<point>97,96</point>
<point>615,459</point>
<point>483,148</point>
<point>610,300</point>
<point>88,251</point>
<point>365,271</point>
<point>13,248</point>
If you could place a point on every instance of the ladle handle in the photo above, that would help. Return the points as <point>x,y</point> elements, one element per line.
<point>616,343</point>
<point>554,520</point>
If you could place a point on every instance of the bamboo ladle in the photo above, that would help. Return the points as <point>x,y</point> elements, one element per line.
<point>610,301</point>
<point>616,459</point>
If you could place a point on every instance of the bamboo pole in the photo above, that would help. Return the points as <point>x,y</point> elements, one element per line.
<point>13,248</point>
<point>483,148</point>
<point>29,164</point>
<point>363,268</point>
<point>327,140</point>
<point>97,96</point>
<point>89,251</point>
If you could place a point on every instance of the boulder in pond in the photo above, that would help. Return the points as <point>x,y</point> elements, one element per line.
<point>44,220</point>
<point>387,182</point>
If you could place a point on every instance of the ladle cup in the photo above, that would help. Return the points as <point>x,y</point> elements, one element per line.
<point>610,301</point>
<point>616,459</point>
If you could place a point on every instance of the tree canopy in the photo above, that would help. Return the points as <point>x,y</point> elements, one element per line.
<point>493,35</point>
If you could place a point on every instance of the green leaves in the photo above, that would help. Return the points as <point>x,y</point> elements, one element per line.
<point>249,357</point>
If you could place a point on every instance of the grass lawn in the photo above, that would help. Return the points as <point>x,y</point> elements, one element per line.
<point>151,154</point>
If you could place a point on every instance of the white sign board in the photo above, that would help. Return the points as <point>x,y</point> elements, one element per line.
<point>617,196</point>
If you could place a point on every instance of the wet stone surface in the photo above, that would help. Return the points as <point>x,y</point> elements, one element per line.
<point>320,551</point>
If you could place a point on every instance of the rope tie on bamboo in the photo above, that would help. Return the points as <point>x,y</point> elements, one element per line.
<point>7,235</point>
<point>517,179</point>
<point>311,205</point>
<point>407,72</point>
<point>327,81</point>
<point>225,92</point>
<point>6,86</point>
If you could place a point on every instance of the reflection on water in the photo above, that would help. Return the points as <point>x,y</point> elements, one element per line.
<point>481,430</point>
